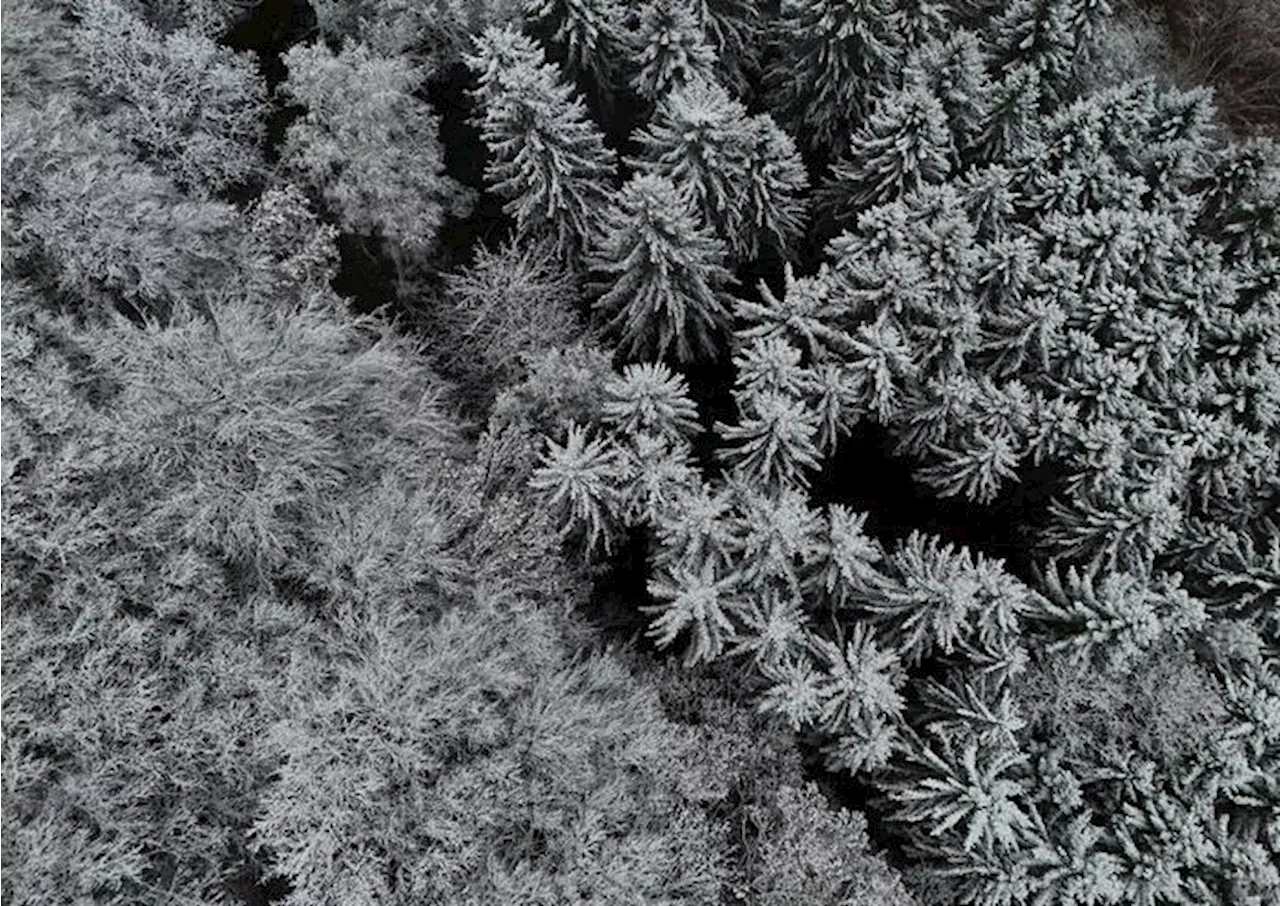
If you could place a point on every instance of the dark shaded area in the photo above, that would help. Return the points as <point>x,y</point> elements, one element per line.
<point>252,889</point>
<point>865,476</point>
<point>366,274</point>
<point>269,30</point>
<point>1233,45</point>
<point>465,158</point>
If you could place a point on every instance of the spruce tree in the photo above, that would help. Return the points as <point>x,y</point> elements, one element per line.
<point>832,54</point>
<point>667,289</point>
<point>734,29</point>
<point>904,143</point>
<point>546,156</point>
<point>1053,36</point>
<point>596,35</point>
<point>672,49</point>
<point>742,171</point>
<point>775,442</point>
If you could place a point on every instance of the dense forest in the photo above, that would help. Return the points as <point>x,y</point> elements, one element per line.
<point>656,453</point>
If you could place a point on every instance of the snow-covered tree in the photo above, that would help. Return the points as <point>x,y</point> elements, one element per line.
<point>672,48</point>
<point>832,54</point>
<point>774,443</point>
<point>368,145</point>
<point>597,38</point>
<point>547,157</point>
<point>195,110</point>
<point>582,480</point>
<point>667,289</point>
<point>905,142</point>
<point>742,171</point>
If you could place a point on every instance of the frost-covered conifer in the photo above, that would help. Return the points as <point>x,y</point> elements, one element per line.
<point>667,293</point>
<point>672,48</point>
<point>742,171</point>
<point>832,55</point>
<point>956,72</point>
<point>650,398</point>
<point>582,480</point>
<point>698,599</point>
<point>966,790</point>
<point>904,143</point>
<point>597,38</point>
<point>1050,35</point>
<point>774,443</point>
<point>547,157</point>
<point>734,30</point>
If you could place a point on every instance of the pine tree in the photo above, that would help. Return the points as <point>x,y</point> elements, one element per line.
<point>659,474</point>
<point>930,607</point>
<point>368,145</point>
<point>195,110</point>
<point>546,155</point>
<point>833,52</point>
<point>773,630</point>
<point>1051,35</point>
<point>734,29</point>
<point>742,171</point>
<point>773,445</point>
<point>964,788</point>
<point>696,598</point>
<point>1012,115</point>
<point>596,35</point>
<point>905,142</point>
<point>582,480</point>
<point>806,314</point>
<point>858,681</point>
<point>672,49</point>
<point>779,536</point>
<point>956,73</point>
<point>1111,617</point>
<point>650,398</point>
<point>847,564</point>
<point>668,291</point>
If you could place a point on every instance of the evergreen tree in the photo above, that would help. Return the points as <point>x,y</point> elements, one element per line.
<point>368,145</point>
<point>668,290</point>
<point>597,38</point>
<point>956,73</point>
<point>734,29</point>
<point>672,49</point>
<point>546,155</point>
<point>195,110</point>
<point>583,480</point>
<point>650,398</point>
<point>905,142</point>
<point>773,445</point>
<point>964,788</point>
<point>696,598</point>
<point>742,171</point>
<point>832,54</point>
<point>1053,36</point>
